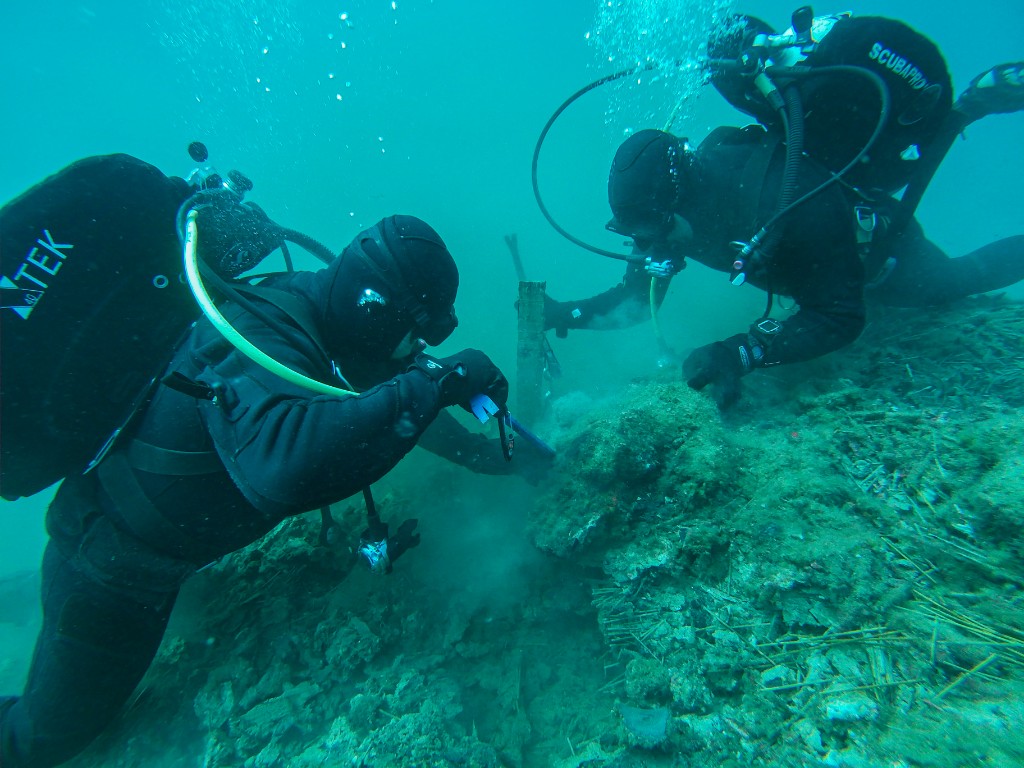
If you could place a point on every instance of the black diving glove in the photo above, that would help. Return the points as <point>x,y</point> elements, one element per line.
<point>459,377</point>
<point>379,550</point>
<point>721,364</point>
<point>559,315</point>
<point>999,90</point>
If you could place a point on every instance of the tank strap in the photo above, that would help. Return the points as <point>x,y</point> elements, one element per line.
<point>296,310</point>
<point>134,512</point>
<point>155,460</point>
<point>752,177</point>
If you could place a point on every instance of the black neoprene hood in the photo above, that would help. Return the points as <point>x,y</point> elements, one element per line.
<point>646,182</point>
<point>425,271</point>
<point>395,277</point>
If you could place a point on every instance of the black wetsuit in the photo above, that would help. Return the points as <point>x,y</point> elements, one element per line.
<point>124,537</point>
<point>817,260</point>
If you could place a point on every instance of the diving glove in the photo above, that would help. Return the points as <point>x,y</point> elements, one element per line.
<point>558,315</point>
<point>721,365</point>
<point>1000,90</point>
<point>461,376</point>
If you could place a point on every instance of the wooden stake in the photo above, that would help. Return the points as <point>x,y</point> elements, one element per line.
<point>530,353</point>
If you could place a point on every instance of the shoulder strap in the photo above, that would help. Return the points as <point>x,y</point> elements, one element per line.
<point>133,510</point>
<point>164,461</point>
<point>292,306</point>
<point>752,177</point>
<point>723,134</point>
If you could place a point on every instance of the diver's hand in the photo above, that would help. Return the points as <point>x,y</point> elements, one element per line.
<point>559,315</point>
<point>999,90</point>
<point>722,365</point>
<point>463,375</point>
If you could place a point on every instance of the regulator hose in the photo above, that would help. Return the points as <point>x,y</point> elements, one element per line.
<point>229,332</point>
<point>718,64</point>
<point>536,156</point>
<point>311,244</point>
<point>883,118</point>
<point>793,115</point>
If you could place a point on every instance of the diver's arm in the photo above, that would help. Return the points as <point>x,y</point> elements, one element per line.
<point>815,330</point>
<point>289,450</point>
<point>625,305</point>
<point>829,290</point>
<point>826,321</point>
<point>447,438</point>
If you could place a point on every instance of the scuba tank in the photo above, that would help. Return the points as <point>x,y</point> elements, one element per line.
<point>840,105</point>
<point>95,299</point>
<point>92,305</point>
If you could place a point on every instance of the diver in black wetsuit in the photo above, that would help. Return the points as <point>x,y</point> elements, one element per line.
<point>832,252</point>
<point>229,451</point>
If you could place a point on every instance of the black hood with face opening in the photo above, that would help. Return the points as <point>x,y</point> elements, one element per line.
<point>651,173</point>
<point>393,278</point>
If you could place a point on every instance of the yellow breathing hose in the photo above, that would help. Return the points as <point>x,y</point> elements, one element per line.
<point>654,316</point>
<point>654,304</point>
<point>228,331</point>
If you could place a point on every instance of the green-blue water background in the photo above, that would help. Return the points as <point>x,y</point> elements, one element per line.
<point>433,109</point>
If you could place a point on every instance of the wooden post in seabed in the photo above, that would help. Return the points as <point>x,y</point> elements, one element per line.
<point>530,353</point>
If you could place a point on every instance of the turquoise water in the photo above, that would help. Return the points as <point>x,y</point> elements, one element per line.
<point>342,113</point>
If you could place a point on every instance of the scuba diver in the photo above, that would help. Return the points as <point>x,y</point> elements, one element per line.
<point>224,449</point>
<point>815,202</point>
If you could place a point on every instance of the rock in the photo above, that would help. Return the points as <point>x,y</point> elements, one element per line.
<point>647,728</point>
<point>776,676</point>
<point>810,736</point>
<point>689,691</point>
<point>850,707</point>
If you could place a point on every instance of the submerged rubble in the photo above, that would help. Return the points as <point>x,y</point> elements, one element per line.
<point>830,575</point>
